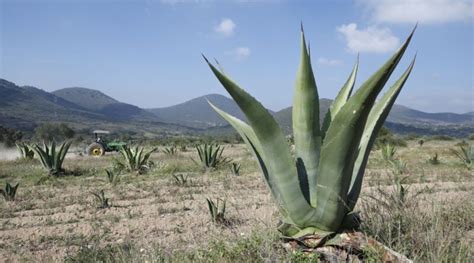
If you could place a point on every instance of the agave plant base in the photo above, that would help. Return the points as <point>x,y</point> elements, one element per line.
<point>343,247</point>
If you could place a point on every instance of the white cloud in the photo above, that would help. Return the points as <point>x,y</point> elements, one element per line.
<point>242,52</point>
<point>370,40</point>
<point>422,11</point>
<point>226,27</point>
<point>329,62</point>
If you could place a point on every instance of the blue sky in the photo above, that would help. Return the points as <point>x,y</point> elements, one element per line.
<point>148,52</point>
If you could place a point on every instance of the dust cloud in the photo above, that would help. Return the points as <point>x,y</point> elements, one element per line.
<point>8,153</point>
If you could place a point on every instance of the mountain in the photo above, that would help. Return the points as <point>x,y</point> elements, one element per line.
<point>197,113</point>
<point>97,102</point>
<point>398,114</point>
<point>283,117</point>
<point>24,106</point>
<point>404,115</point>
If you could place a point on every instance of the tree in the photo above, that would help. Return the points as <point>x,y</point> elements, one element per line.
<point>9,136</point>
<point>51,131</point>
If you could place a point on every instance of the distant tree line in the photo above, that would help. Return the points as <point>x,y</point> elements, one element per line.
<point>9,136</point>
<point>53,131</point>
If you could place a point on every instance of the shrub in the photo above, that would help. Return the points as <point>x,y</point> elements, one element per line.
<point>9,136</point>
<point>51,131</point>
<point>441,138</point>
<point>385,136</point>
<point>434,160</point>
<point>421,142</point>
<point>424,232</point>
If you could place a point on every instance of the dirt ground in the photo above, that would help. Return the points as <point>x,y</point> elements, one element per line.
<point>52,217</point>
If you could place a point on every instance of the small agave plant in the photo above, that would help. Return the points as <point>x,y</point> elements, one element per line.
<point>316,191</point>
<point>52,157</point>
<point>26,151</point>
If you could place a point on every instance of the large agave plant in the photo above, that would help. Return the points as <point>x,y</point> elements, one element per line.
<point>316,190</point>
<point>51,157</point>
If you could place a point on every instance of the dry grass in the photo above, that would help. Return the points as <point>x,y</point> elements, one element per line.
<point>152,218</point>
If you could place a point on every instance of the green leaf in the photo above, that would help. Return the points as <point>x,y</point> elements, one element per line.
<point>341,98</point>
<point>275,151</point>
<point>375,121</point>
<point>306,130</point>
<point>339,150</point>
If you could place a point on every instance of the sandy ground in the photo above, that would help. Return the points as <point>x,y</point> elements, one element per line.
<point>12,153</point>
<point>48,222</point>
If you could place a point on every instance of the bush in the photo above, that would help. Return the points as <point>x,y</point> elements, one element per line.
<point>9,136</point>
<point>441,138</point>
<point>51,131</point>
<point>385,136</point>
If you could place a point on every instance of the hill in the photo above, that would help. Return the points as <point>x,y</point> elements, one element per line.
<point>26,107</point>
<point>404,120</point>
<point>404,115</point>
<point>98,102</point>
<point>197,113</point>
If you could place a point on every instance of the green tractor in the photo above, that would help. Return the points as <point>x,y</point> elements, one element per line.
<point>102,145</point>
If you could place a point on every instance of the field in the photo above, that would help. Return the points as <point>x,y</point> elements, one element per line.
<point>153,218</point>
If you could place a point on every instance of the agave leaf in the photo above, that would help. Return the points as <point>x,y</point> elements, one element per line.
<point>275,151</point>
<point>375,121</point>
<point>250,139</point>
<point>63,151</point>
<point>53,155</point>
<point>341,98</point>
<point>139,160</point>
<point>42,154</point>
<point>306,130</point>
<point>339,150</point>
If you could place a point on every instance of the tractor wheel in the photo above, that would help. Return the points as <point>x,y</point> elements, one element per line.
<point>96,149</point>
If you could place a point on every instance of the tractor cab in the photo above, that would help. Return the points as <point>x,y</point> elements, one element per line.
<point>103,144</point>
<point>99,135</point>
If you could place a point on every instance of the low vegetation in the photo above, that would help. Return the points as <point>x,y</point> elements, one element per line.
<point>217,210</point>
<point>170,221</point>
<point>235,168</point>
<point>9,192</point>
<point>51,157</point>
<point>135,160</point>
<point>26,152</point>
<point>210,156</point>
<point>465,154</point>
<point>100,199</point>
